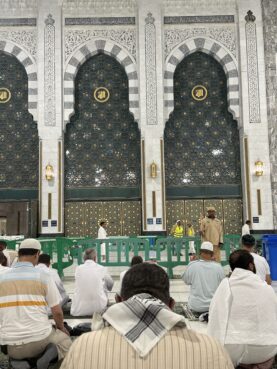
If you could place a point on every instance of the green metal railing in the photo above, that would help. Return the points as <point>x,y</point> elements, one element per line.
<point>119,251</point>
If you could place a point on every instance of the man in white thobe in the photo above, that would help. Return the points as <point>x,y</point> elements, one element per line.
<point>246,228</point>
<point>102,234</point>
<point>44,263</point>
<point>92,283</point>
<point>262,268</point>
<point>243,314</point>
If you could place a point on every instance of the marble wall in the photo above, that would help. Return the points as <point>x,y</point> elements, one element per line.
<point>149,38</point>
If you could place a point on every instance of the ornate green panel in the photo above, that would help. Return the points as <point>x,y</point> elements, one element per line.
<point>19,154</point>
<point>102,140</point>
<point>201,137</point>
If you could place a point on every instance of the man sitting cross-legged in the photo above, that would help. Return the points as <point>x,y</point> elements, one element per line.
<point>25,293</point>
<point>92,283</point>
<point>141,331</point>
<point>204,276</point>
<point>243,315</point>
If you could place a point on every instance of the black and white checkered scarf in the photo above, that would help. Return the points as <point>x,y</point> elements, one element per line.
<point>142,320</point>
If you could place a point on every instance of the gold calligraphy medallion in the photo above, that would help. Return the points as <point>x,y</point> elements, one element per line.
<point>101,94</point>
<point>5,95</point>
<point>199,93</point>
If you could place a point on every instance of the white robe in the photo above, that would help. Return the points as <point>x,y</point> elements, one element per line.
<point>243,317</point>
<point>102,234</point>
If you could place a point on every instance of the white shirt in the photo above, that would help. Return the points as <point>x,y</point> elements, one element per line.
<point>102,233</point>
<point>3,269</point>
<point>7,254</point>
<point>245,229</point>
<point>56,278</point>
<point>25,293</point>
<point>204,278</point>
<point>262,267</point>
<point>243,318</point>
<point>91,284</point>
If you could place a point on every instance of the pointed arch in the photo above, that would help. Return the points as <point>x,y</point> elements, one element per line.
<point>220,53</point>
<point>89,49</point>
<point>31,69</point>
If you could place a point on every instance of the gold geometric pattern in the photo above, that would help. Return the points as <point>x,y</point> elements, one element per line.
<point>174,211</point>
<point>232,216</point>
<point>194,212</point>
<point>229,211</point>
<point>82,218</point>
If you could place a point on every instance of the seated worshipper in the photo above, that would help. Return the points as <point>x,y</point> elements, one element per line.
<point>3,263</point>
<point>261,265</point>
<point>44,263</point>
<point>204,276</point>
<point>243,315</point>
<point>92,283</point>
<point>135,260</point>
<point>142,331</point>
<point>25,293</point>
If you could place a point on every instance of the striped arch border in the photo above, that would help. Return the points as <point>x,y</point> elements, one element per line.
<point>214,49</point>
<point>31,70</point>
<point>84,53</point>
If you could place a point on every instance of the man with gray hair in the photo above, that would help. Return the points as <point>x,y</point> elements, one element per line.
<point>92,283</point>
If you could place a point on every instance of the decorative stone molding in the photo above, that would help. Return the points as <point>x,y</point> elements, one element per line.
<point>225,35</point>
<point>26,38</point>
<point>207,46</point>
<point>31,69</point>
<point>83,53</point>
<point>252,68</point>
<point>74,38</point>
<point>150,70</point>
<point>18,22</point>
<point>49,73</point>
<point>100,21</point>
<point>199,19</point>
<point>269,23</point>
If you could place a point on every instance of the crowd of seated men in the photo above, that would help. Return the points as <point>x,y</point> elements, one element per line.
<point>141,330</point>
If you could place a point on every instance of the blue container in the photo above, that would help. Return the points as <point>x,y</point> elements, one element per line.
<point>270,253</point>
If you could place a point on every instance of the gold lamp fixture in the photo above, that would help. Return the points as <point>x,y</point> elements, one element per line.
<point>259,168</point>
<point>49,172</point>
<point>153,170</point>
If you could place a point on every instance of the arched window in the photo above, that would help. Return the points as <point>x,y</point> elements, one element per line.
<point>201,138</point>
<point>19,154</point>
<point>102,140</point>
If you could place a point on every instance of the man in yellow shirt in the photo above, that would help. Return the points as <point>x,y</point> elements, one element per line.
<point>177,231</point>
<point>211,230</point>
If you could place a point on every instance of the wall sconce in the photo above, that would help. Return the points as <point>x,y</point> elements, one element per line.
<point>153,170</point>
<point>49,172</point>
<point>259,168</point>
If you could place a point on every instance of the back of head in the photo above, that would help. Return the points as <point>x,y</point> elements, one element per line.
<point>29,247</point>
<point>136,260</point>
<point>248,222</point>
<point>146,278</point>
<point>248,241</point>
<point>241,259</point>
<point>90,254</point>
<point>44,259</point>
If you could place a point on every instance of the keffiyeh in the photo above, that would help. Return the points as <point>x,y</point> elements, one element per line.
<point>142,320</point>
